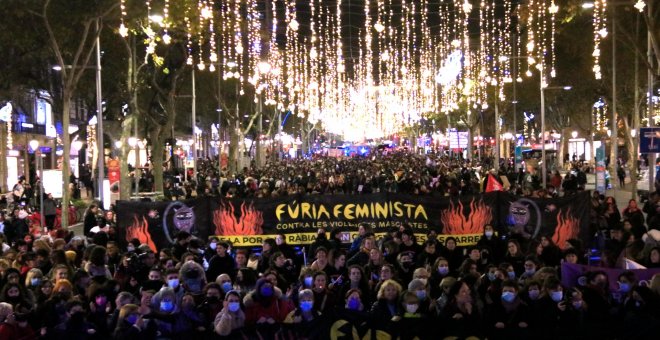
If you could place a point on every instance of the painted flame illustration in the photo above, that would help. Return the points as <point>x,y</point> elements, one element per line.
<point>140,230</point>
<point>568,227</point>
<point>250,221</point>
<point>456,223</point>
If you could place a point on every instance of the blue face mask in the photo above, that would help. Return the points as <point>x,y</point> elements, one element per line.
<point>511,275</point>
<point>267,291</point>
<point>530,272</point>
<point>421,294</point>
<point>308,281</point>
<point>508,296</point>
<point>534,294</point>
<point>491,276</point>
<point>213,245</point>
<point>353,304</point>
<point>166,306</point>
<point>173,283</point>
<point>234,306</point>
<point>557,296</point>
<point>226,286</point>
<point>443,270</point>
<point>624,287</point>
<point>306,306</point>
<point>35,281</point>
<point>132,319</point>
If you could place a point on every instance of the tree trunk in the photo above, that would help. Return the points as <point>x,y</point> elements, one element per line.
<point>4,186</point>
<point>562,147</point>
<point>631,146</point>
<point>469,143</point>
<point>233,148</point>
<point>66,161</point>
<point>157,147</point>
<point>126,130</point>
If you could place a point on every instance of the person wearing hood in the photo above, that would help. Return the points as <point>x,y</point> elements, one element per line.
<point>420,288</point>
<point>265,310</point>
<point>165,311</point>
<point>192,277</point>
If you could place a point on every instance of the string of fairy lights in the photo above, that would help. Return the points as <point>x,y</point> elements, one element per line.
<point>364,73</point>
<point>600,32</point>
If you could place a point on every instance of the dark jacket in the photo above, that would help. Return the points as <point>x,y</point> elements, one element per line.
<point>221,265</point>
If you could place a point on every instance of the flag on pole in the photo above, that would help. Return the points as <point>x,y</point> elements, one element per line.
<point>493,184</point>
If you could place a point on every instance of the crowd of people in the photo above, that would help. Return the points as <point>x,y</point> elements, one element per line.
<point>507,286</point>
<point>388,171</point>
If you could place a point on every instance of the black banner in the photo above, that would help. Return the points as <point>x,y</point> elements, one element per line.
<point>247,222</point>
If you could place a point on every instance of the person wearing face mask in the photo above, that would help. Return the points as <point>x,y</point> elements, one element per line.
<point>640,317</point>
<point>304,322</point>
<point>165,312</point>
<point>231,319</point>
<point>492,243</point>
<point>131,325</point>
<point>597,296</point>
<point>212,304</point>
<point>531,264</point>
<point>414,321</point>
<point>211,247</point>
<point>531,294</point>
<point>264,309</point>
<point>420,289</point>
<point>100,309</point>
<point>508,317</point>
<point>192,277</point>
<point>75,326</point>
<point>356,280</point>
<point>553,305</point>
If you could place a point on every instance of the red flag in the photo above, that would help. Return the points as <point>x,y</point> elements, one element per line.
<point>493,184</point>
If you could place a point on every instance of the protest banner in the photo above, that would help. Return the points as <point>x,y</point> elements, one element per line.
<point>247,222</point>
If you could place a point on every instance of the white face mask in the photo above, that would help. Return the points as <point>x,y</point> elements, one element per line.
<point>412,308</point>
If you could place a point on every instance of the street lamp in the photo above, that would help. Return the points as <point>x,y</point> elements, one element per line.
<point>34,145</point>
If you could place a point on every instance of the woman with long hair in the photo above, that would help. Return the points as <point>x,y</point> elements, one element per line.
<point>460,316</point>
<point>387,310</point>
<point>514,255</point>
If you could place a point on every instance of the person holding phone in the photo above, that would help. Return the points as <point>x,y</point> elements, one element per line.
<point>551,322</point>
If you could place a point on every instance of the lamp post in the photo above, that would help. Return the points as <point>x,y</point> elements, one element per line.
<point>99,108</point>
<point>34,145</point>
<point>194,124</point>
